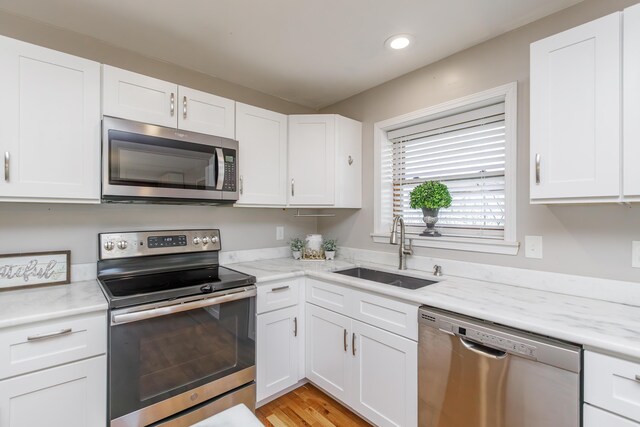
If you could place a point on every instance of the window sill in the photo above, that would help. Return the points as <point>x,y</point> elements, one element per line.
<point>456,243</point>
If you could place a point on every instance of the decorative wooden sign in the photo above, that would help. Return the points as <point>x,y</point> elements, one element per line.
<point>36,268</point>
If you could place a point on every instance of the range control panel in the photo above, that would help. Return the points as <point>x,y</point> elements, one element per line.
<point>145,243</point>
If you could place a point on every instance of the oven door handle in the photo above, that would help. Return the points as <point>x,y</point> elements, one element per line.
<point>119,319</point>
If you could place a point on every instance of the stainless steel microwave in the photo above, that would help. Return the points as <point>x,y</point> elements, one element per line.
<point>154,164</point>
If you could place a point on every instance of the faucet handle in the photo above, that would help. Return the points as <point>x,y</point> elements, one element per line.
<point>409,250</point>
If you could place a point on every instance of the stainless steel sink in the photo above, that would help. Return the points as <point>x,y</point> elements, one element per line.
<point>387,278</point>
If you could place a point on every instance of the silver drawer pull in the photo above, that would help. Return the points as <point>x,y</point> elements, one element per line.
<point>280,288</point>
<point>49,335</point>
<point>637,377</point>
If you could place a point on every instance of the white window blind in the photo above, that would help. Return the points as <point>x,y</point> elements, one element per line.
<point>466,151</point>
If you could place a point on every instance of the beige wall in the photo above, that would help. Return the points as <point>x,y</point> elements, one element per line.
<point>39,227</point>
<point>585,240</point>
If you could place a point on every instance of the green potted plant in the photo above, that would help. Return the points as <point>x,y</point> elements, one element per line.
<point>296,245</point>
<point>329,247</point>
<point>430,196</point>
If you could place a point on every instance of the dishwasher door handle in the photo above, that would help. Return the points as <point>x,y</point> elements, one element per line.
<point>483,349</point>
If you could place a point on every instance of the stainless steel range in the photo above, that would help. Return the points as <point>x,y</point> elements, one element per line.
<point>182,328</point>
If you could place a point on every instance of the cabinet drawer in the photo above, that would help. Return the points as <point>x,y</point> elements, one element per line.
<point>612,384</point>
<point>36,346</point>
<point>329,296</point>
<point>384,312</point>
<point>276,295</point>
<point>594,417</point>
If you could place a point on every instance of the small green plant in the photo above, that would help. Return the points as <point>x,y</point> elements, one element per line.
<point>296,244</point>
<point>430,195</point>
<point>329,245</point>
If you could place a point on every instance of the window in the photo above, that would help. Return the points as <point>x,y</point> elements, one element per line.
<point>469,145</point>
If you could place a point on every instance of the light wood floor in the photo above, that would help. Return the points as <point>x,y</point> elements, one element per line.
<point>307,406</point>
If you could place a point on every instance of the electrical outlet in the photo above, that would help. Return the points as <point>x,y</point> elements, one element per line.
<point>635,254</point>
<point>280,232</point>
<point>533,247</point>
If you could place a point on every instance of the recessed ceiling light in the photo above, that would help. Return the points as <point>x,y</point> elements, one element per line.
<point>399,41</point>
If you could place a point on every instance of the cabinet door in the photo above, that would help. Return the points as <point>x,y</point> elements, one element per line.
<point>312,159</point>
<point>328,359</point>
<point>385,376</point>
<point>262,137</point>
<point>631,102</point>
<point>348,163</point>
<point>575,112</point>
<point>137,97</point>
<point>206,113</point>
<point>73,395</point>
<point>50,133</point>
<point>277,350</point>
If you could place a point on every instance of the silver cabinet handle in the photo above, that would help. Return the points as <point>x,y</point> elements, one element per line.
<point>49,335</point>
<point>293,188</point>
<point>172,104</point>
<point>345,339</point>
<point>537,168</point>
<point>295,326</point>
<point>241,184</point>
<point>353,343</point>
<point>6,166</point>
<point>637,377</point>
<point>350,161</point>
<point>184,107</point>
<point>280,288</point>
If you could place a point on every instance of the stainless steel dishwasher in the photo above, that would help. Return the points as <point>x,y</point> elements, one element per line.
<point>477,374</point>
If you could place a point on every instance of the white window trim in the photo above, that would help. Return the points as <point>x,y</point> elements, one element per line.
<point>506,246</point>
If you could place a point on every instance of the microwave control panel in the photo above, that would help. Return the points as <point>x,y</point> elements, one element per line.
<point>230,169</point>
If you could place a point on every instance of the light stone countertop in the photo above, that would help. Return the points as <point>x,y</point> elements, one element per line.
<point>21,306</point>
<point>596,324</point>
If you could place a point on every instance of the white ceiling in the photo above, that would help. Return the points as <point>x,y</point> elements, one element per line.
<point>312,52</point>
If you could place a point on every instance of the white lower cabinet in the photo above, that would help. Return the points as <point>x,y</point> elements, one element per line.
<point>279,337</point>
<point>613,384</point>
<point>385,372</point>
<point>594,417</point>
<point>72,395</point>
<point>327,351</point>
<point>371,370</point>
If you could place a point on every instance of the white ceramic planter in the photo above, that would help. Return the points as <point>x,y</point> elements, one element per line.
<point>329,255</point>
<point>296,254</point>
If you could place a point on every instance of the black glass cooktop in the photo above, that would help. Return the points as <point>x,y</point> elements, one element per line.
<point>144,288</point>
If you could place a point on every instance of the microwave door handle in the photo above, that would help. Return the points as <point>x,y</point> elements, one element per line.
<point>220,178</point>
<point>118,319</point>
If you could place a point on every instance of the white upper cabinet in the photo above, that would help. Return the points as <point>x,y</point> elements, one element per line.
<point>325,165</point>
<point>206,113</point>
<point>312,145</point>
<point>133,96</point>
<point>575,114</point>
<point>631,103</point>
<point>262,138</point>
<point>50,132</point>
<point>140,98</point>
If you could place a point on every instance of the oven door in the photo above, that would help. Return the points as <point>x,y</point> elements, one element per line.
<point>166,358</point>
<point>152,163</point>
